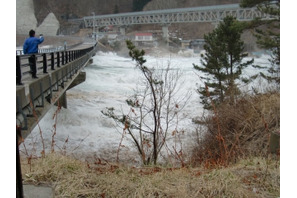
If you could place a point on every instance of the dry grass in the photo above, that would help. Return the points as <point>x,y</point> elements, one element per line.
<point>250,172</point>
<point>239,130</point>
<point>254,177</point>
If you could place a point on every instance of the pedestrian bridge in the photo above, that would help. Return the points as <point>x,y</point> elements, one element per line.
<point>57,72</point>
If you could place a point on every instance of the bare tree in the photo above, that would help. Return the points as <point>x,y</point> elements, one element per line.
<point>153,109</point>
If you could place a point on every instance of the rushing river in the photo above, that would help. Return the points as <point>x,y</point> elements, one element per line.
<point>83,131</point>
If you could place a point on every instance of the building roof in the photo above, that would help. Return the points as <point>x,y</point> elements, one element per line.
<point>143,34</point>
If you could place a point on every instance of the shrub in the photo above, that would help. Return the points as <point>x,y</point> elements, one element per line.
<point>238,130</point>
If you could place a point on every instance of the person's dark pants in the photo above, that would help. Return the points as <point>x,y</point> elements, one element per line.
<point>18,71</point>
<point>32,63</point>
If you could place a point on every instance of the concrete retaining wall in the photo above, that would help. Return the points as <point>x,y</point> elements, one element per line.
<point>26,20</point>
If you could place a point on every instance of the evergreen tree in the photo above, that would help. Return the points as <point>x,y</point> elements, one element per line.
<point>116,9</point>
<point>222,63</point>
<point>213,68</point>
<point>139,4</point>
<point>268,38</point>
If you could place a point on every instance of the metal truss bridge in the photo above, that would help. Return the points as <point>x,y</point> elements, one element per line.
<point>212,14</point>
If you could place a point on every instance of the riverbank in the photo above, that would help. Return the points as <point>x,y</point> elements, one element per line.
<point>251,177</point>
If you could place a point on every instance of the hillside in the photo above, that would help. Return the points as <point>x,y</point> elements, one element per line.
<point>67,9</point>
<point>50,17</point>
<point>76,8</point>
<point>38,12</point>
<point>168,4</point>
<point>252,177</point>
<point>189,30</point>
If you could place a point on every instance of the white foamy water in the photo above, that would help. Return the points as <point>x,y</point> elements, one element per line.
<point>111,79</point>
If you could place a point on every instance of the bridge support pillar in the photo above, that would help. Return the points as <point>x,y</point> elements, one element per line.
<point>78,80</point>
<point>215,24</point>
<point>63,100</point>
<point>165,32</point>
<point>81,77</point>
<point>123,30</point>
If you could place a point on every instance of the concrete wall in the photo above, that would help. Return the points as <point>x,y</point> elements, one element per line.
<point>49,26</point>
<point>47,90</point>
<point>26,20</point>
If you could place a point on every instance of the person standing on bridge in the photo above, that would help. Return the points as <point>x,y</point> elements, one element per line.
<point>31,47</point>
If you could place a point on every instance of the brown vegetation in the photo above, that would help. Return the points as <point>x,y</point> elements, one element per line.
<point>233,152</point>
<point>254,177</point>
<point>237,134</point>
<point>239,130</point>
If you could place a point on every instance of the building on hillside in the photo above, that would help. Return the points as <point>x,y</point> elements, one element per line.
<point>185,44</point>
<point>197,45</point>
<point>144,39</point>
<point>112,35</point>
<point>108,28</point>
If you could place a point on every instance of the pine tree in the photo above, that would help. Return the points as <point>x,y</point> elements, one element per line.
<point>116,9</point>
<point>213,68</point>
<point>268,38</point>
<point>139,4</point>
<point>222,63</point>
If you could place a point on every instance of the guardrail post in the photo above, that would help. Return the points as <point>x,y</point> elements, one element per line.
<point>18,71</point>
<point>19,180</point>
<point>44,63</point>
<point>75,54</point>
<point>58,59</point>
<point>63,60</point>
<point>52,61</point>
<point>66,55</point>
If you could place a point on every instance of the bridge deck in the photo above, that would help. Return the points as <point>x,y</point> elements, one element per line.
<point>36,96</point>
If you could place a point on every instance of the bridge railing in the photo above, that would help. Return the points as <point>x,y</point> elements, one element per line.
<point>41,90</point>
<point>47,60</point>
<point>44,50</point>
<point>50,50</point>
